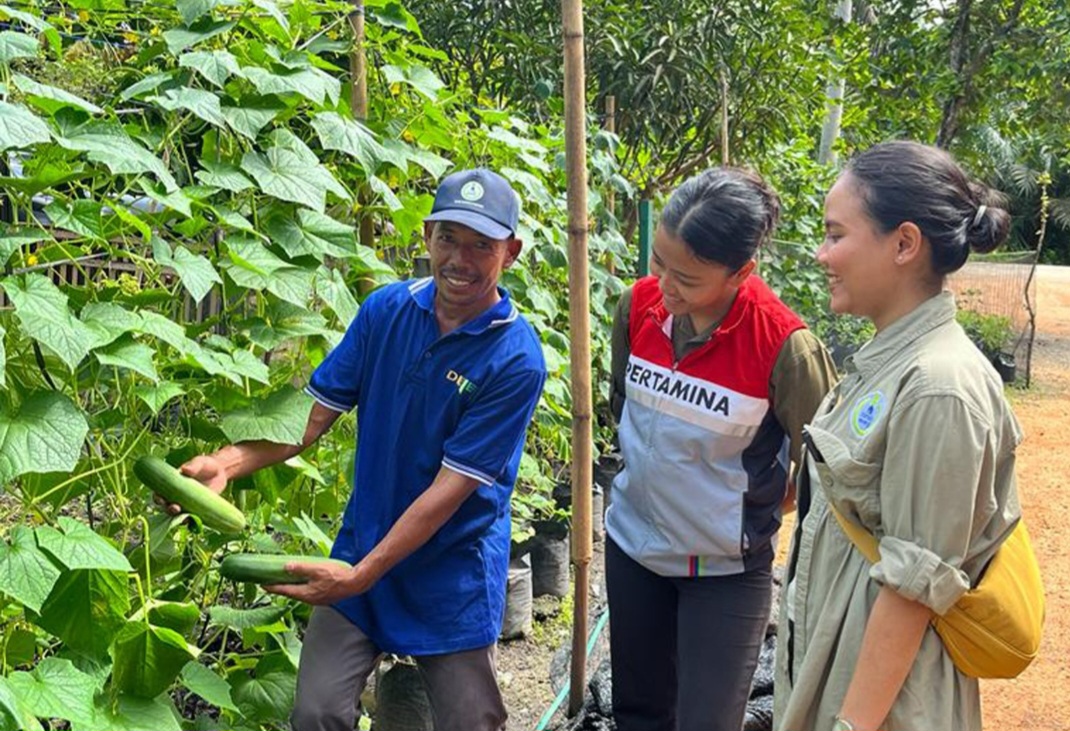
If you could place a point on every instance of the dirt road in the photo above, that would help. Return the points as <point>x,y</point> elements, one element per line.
<point>1039,700</point>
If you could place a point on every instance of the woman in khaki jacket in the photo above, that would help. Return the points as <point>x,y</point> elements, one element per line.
<point>916,444</point>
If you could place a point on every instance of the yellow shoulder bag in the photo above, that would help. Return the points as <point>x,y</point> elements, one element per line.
<point>993,630</point>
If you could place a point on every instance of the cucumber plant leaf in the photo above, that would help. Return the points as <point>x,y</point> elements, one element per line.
<point>13,712</point>
<point>131,713</point>
<point>55,688</point>
<point>156,396</point>
<point>16,46</point>
<point>20,128</point>
<point>43,434</point>
<point>203,682</point>
<point>131,355</point>
<point>108,143</point>
<point>152,82</point>
<point>290,176</point>
<point>75,546</point>
<point>280,418</point>
<point>250,116</point>
<point>222,175</point>
<point>243,619</point>
<point>199,102</point>
<point>267,697</point>
<point>42,310</point>
<point>216,66</point>
<point>109,321</point>
<point>26,573</point>
<point>420,78</point>
<point>51,98</point>
<point>86,608</point>
<point>179,39</point>
<point>195,270</point>
<point>147,659</point>
<point>351,137</point>
<point>191,10</point>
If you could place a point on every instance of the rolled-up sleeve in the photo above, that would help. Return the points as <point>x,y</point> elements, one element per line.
<point>620,349</point>
<point>939,455</point>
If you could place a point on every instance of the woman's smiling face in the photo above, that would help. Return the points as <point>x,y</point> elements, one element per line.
<point>690,285</point>
<point>859,260</point>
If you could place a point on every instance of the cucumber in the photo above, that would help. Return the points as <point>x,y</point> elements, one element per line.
<point>267,568</point>
<point>195,498</point>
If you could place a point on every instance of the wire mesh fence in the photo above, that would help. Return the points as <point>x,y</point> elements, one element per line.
<point>1002,291</point>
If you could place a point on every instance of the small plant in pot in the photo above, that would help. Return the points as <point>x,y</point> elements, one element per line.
<point>990,333</point>
<point>533,500</point>
<point>550,555</point>
<point>1006,367</point>
<point>844,335</point>
<point>401,702</point>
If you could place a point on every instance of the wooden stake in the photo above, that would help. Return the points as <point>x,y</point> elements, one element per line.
<point>580,336</point>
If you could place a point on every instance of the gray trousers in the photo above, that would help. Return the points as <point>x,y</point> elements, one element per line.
<point>337,658</point>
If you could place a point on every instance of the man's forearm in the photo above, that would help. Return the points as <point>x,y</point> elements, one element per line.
<point>418,523</point>
<point>891,641</point>
<point>245,458</point>
<point>330,584</point>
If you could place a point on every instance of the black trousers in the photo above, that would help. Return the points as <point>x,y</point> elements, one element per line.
<point>683,650</point>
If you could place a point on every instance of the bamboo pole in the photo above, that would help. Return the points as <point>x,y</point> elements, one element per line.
<point>358,104</point>
<point>580,336</point>
<point>358,69</point>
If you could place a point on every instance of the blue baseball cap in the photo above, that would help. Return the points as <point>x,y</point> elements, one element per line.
<point>480,199</point>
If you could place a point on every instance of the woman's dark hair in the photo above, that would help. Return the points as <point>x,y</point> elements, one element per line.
<point>723,215</point>
<point>907,181</point>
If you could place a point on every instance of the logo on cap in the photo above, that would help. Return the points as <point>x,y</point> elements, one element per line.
<point>472,191</point>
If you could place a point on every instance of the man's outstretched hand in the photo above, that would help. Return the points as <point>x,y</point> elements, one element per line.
<point>327,583</point>
<point>206,469</point>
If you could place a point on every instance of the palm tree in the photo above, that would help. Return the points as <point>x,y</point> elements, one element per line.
<point>1026,170</point>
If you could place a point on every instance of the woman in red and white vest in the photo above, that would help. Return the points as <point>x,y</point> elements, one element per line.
<point>713,379</point>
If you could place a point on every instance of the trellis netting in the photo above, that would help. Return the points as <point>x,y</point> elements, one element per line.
<point>1002,286</point>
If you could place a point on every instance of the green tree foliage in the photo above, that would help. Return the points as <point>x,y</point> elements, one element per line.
<point>664,61</point>
<point>942,71</point>
<point>985,79</point>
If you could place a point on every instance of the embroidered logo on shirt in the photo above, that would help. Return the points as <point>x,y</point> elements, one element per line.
<point>463,384</point>
<point>867,412</point>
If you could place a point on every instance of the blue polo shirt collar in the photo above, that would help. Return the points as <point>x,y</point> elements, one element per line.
<point>502,313</point>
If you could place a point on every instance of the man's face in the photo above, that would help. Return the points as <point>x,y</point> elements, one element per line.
<point>466,264</point>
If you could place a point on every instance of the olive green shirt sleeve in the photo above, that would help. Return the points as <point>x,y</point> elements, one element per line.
<point>802,375</point>
<point>938,477</point>
<point>620,345</point>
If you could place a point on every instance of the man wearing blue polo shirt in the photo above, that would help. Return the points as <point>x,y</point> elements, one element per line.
<point>445,375</point>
